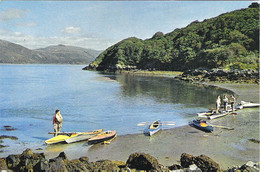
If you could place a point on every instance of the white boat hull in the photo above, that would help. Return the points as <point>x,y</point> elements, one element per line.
<point>79,138</point>
<point>244,104</point>
<point>214,116</point>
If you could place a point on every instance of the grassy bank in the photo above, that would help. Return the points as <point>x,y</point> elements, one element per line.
<point>157,73</point>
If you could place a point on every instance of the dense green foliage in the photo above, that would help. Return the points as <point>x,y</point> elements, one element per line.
<point>230,40</point>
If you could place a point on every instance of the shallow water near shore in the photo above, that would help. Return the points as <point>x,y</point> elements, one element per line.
<point>89,100</point>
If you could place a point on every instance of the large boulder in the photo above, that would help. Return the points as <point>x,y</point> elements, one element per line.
<point>75,165</point>
<point>85,161</point>
<point>29,159</point>
<point>175,167</point>
<point>187,160</point>
<point>203,162</point>
<point>58,163</point>
<point>24,162</point>
<point>42,165</point>
<point>3,165</point>
<point>105,165</point>
<point>13,161</point>
<point>142,161</point>
<point>250,166</point>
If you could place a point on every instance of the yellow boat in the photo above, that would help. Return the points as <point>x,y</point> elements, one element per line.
<point>67,136</point>
<point>60,138</point>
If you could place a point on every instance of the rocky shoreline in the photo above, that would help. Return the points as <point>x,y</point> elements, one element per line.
<point>30,161</point>
<point>220,75</point>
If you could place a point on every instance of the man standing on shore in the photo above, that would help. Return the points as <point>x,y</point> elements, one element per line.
<point>218,103</point>
<point>233,102</point>
<point>225,100</point>
<point>57,122</point>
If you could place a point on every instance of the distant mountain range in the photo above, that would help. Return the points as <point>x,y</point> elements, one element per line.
<point>58,54</point>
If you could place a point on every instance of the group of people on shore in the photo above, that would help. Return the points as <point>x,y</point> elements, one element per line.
<point>225,103</point>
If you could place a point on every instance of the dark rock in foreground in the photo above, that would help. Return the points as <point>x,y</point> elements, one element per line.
<point>203,162</point>
<point>142,161</point>
<point>248,167</point>
<point>24,162</point>
<point>29,161</point>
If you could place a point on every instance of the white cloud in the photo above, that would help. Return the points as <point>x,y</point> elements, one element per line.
<point>28,24</point>
<point>33,42</point>
<point>11,14</point>
<point>71,30</point>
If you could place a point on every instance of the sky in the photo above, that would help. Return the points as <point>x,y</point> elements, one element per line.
<point>100,24</point>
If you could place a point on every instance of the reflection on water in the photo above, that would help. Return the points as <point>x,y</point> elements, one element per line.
<point>56,148</point>
<point>168,90</point>
<point>154,137</point>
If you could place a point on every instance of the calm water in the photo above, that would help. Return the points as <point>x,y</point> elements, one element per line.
<point>30,94</point>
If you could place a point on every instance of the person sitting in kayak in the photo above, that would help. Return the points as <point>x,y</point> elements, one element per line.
<point>57,122</point>
<point>203,124</point>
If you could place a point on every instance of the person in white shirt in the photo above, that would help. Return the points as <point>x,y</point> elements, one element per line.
<point>225,100</point>
<point>218,103</point>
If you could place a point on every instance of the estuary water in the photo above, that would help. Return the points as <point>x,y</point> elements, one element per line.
<point>30,94</point>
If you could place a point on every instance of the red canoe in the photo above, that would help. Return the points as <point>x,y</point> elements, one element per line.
<point>104,136</point>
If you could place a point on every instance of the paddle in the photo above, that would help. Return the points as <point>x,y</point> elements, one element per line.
<point>224,127</point>
<point>88,132</point>
<point>109,141</point>
<point>65,133</point>
<point>62,133</point>
<point>162,123</point>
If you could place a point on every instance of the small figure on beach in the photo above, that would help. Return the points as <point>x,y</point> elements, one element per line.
<point>218,104</point>
<point>57,122</point>
<point>232,102</point>
<point>225,100</point>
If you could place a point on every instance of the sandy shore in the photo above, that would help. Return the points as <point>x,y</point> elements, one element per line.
<point>227,147</point>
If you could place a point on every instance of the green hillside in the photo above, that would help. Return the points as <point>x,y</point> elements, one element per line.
<point>230,40</point>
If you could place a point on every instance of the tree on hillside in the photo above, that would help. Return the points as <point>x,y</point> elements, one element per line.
<point>230,40</point>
